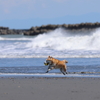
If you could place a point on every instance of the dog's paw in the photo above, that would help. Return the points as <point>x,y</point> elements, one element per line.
<point>66,72</point>
<point>46,71</point>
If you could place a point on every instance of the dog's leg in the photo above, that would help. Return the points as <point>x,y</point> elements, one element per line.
<point>66,73</point>
<point>62,71</point>
<point>65,70</point>
<point>49,68</point>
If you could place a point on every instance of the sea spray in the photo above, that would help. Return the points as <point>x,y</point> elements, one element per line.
<point>62,40</point>
<point>57,43</point>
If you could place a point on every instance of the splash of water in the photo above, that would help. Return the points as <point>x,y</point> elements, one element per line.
<point>62,40</point>
<point>58,43</point>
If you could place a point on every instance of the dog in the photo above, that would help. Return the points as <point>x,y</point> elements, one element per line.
<point>56,64</point>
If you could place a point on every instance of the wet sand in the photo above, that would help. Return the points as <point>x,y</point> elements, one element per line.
<point>30,88</point>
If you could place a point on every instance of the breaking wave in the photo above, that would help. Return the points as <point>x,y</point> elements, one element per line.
<point>58,43</point>
<point>62,40</point>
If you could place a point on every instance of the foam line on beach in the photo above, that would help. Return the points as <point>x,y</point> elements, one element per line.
<point>53,75</point>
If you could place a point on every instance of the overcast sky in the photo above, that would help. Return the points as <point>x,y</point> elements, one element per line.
<point>27,13</point>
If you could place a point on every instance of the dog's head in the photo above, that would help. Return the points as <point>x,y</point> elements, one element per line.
<point>48,61</point>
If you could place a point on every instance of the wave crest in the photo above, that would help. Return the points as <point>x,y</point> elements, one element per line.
<point>63,40</point>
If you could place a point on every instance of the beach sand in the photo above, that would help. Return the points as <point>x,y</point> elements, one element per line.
<point>30,88</point>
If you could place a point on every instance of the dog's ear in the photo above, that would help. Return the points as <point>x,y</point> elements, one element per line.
<point>48,56</point>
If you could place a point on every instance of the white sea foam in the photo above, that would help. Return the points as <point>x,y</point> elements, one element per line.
<point>61,40</point>
<point>46,75</point>
<point>58,43</point>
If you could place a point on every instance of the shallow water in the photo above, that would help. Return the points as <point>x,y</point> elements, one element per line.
<point>77,67</point>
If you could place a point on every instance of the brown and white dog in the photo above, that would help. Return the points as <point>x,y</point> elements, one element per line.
<point>56,64</point>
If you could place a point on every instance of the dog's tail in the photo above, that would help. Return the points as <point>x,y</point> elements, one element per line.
<point>65,61</point>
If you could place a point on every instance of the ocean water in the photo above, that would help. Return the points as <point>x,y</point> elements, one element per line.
<point>24,55</point>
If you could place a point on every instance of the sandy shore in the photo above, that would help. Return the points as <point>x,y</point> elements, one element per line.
<point>49,88</point>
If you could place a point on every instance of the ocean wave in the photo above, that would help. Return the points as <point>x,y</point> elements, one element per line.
<point>63,40</point>
<point>55,56</point>
<point>58,43</point>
